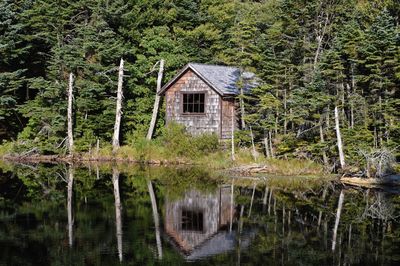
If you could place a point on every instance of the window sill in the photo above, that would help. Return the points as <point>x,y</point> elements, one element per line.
<point>194,114</point>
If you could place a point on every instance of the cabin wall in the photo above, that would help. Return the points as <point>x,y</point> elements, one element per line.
<point>210,121</point>
<point>208,204</point>
<point>228,105</point>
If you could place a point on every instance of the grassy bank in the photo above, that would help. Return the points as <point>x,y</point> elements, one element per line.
<point>174,146</point>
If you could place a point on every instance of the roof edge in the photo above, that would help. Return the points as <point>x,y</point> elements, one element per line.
<point>183,71</point>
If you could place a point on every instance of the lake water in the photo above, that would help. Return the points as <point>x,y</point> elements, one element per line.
<point>99,215</point>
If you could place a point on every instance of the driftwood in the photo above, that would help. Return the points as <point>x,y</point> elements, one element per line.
<point>386,180</point>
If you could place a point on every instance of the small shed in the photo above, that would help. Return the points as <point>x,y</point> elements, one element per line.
<point>202,97</point>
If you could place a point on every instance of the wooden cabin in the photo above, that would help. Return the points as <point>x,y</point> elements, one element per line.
<point>194,219</point>
<point>197,224</point>
<point>202,97</point>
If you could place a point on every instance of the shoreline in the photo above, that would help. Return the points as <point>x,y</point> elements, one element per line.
<point>242,168</point>
<point>79,158</point>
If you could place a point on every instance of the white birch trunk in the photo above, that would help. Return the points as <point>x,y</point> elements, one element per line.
<point>69,206</point>
<point>339,139</point>
<point>118,111</point>
<point>338,213</point>
<point>156,218</point>
<point>69,114</point>
<point>156,101</point>
<point>118,219</point>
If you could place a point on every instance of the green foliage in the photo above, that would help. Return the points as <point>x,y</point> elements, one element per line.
<point>310,56</point>
<point>178,142</point>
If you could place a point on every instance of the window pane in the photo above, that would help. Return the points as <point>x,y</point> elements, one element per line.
<point>192,220</point>
<point>193,102</point>
<point>202,98</point>
<point>190,98</point>
<point>201,108</point>
<point>190,107</point>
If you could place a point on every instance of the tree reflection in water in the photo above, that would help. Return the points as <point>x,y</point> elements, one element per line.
<point>67,215</point>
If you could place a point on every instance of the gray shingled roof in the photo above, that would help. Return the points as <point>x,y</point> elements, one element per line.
<point>223,79</point>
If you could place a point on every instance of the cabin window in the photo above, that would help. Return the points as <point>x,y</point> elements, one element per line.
<point>192,220</point>
<point>193,103</point>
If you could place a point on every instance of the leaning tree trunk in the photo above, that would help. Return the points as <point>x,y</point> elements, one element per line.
<point>339,139</point>
<point>118,111</point>
<point>156,101</point>
<point>69,114</point>
<point>338,213</point>
<point>156,217</point>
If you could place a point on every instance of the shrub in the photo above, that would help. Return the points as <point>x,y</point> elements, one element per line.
<point>179,142</point>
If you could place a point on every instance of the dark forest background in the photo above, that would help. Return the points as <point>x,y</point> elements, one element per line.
<point>311,55</point>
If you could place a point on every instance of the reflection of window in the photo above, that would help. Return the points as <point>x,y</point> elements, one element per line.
<point>192,220</point>
<point>193,103</point>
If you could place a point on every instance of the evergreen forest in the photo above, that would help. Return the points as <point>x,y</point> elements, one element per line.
<point>311,57</point>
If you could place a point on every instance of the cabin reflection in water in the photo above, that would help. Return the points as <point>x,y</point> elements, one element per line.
<point>193,222</point>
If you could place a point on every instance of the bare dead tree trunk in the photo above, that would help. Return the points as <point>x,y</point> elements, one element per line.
<point>240,229</point>
<point>231,214</point>
<point>156,101</point>
<point>241,102</point>
<point>320,38</point>
<point>270,144</point>
<point>156,218</point>
<point>285,111</point>
<point>321,134</point>
<point>69,114</point>
<point>338,213</point>
<point>265,199</point>
<point>339,139</point>
<point>118,111</point>
<point>266,145</point>
<point>269,201</point>
<point>233,134</point>
<point>252,199</point>
<point>97,147</point>
<point>69,205</point>
<point>254,152</point>
<point>118,218</point>
<point>320,212</point>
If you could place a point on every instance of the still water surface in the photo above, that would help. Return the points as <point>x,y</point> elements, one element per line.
<point>59,215</point>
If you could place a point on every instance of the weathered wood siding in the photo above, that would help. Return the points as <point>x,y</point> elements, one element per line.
<point>210,121</point>
<point>226,126</point>
<point>216,213</point>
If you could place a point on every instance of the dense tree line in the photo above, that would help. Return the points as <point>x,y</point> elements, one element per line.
<point>311,57</point>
